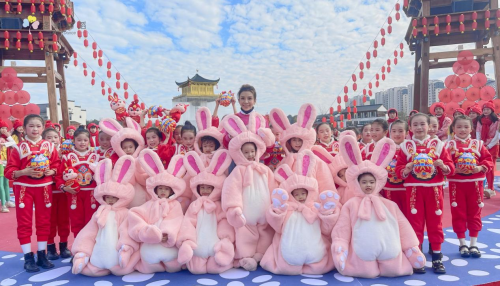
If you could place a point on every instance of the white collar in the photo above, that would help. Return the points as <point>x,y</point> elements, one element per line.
<point>33,142</point>
<point>80,153</point>
<point>364,144</point>
<point>327,144</point>
<point>420,141</point>
<point>461,140</point>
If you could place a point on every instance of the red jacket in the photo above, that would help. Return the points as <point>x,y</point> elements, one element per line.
<point>469,153</point>
<point>394,182</point>
<point>366,152</point>
<point>333,147</point>
<point>21,157</point>
<point>423,153</point>
<point>165,152</point>
<point>104,154</point>
<point>81,162</point>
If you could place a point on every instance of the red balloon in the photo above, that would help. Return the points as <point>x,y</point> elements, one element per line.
<point>463,80</point>
<point>32,109</point>
<point>5,111</point>
<point>487,93</point>
<point>450,81</point>
<point>457,95</point>
<point>10,97</point>
<point>465,57</point>
<point>473,93</point>
<point>445,95</point>
<point>9,74</point>
<point>22,97</point>
<point>479,80</point>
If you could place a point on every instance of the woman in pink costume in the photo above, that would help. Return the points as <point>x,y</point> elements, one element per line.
<point>298,137</point>
<point>246,194</point>
<point>156,223</point>
<point>372,237</point>
<point>301,244</point>
<point>119,133</point>
<point>206,240</point>
<point>103,246</point>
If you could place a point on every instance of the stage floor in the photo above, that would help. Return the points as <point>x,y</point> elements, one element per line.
<point>460,271</point>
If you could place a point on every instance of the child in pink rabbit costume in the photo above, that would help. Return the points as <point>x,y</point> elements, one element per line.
<point>372,237</point>
<point>302,130</point>
<point>103,246</point>
<point>338,167</point>
<point>205,128</point>
<point>206,240</point>
<point>246,194</point>
<point>301,244</point>
<point>119,133</point>
<point>158,217</point>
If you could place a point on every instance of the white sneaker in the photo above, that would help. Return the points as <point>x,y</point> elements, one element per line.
<point>488,193</point>
<point>10,204</point>
<point>4,210</point>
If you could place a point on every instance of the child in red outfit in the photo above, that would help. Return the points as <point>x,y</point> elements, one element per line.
<point>59,218</point>
<point>105,151</point>
<point>94,135</point>
<point>423,163</point>
<point>165,151</point>
<point>70,131</point>
<point>31,165</point>
<point>379,130</point>
<point>394,189</point>
<point>472,160</point>
<point>188,135</point>
<point>487,130</point>
<point>81,158</point>
<point>437,110</point>
<point>366,137</point>
<point>473,112</point>
<point>325,139</point>
<point>393,116</point>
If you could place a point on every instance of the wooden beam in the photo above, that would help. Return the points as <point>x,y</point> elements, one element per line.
<point>416,80</point>
<point>51,87</point>
<point>27,70</point>
<point>454,54</point>
<point>424,78</point>
<point>31,79</point>
<point>58,76</point>
<point>440,65</point>
<point>63,95</point>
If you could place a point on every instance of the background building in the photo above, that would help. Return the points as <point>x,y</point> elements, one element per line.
<point>76,113</point>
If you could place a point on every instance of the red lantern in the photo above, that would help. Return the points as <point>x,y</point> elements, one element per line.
<point>448,26</point>
<point>79,34</point>
<point>383,69</point>
<point>389,29</point>
<point>370,85</point>
<point>85,72</point>
<point>354,102</point>
<point>41,7</point>
<point>377,84</point>
<point>375,44</point>
<point>461,18</point>
<point>395,61</point>
<point>331,110</point>
<point>339,108</point>
<point>92,82</point>
<point>388,69</point>
<point>99,62</point>
<point>334,124</point>
<point>341,125</point>
<point>346,98</point>
<point>348,109</point>
<point>401,46</point>
<point>117,76</point>
<point>6,36</point>
<point>94,54</point>
<point>19,7</point>
<point>85,33</point>
<point>397,16</point>
<point>33,7</point>
<point>382,41</point>
<point>389,20</point>
<point>7,7</point>
<point>474,18</point>
<point>110,90</point>
<point>54,45</point>
<point>100,53</point>
<point>103,91</point>
<point>339,99</point>
<point>388,62</point>
<point>125,85</point>
<point>355,109</point>
<point>424,31</point>
<point>354,86</point>
<point>368,63</point>
<point>30,37</point>
<point>401,54</point>
<point>353,76</point>
<point>383,76</point>
<point>51,7</point>
<point>18,43</point>
<point>405,3</point>
<point>382,32</point>
<point>361,74</point>
<point>109,65</point>
<point>118,85</point>
<point>398,6</point>
<point>374,55</point>
<point>377,76</point>
<point>93,74</point>
<point>86,43</point>
<point>75,62</point>
<point>108,73</point>
<point>94,45</point>
<point>125,94</point>
<point>348,116</point>
<point>341,117</point>
<point>323,119</point>
<point>370,93</point>
<point>361,65</point>
<point>103,84</point>
<point>364,98</point>
<point>30,47</point>
<point>364,91</point>
<point>368,55</point>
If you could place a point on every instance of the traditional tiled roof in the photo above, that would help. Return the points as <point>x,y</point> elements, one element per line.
<point>197,78</point>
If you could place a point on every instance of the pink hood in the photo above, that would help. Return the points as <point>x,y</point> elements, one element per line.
<point>212,175</point>
<point>301,129</point>
<point>335,164</point>
<point>119,133</point>
<point>302,178</point>
<point>242,134</point>
<point>205,128</point>
<point>382,155</point>
<point>172,177</point>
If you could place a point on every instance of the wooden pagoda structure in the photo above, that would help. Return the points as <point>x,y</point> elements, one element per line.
<point>459,22</point>
<point>54,17</point>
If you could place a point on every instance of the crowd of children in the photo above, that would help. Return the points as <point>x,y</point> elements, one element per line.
<point>250,190</point>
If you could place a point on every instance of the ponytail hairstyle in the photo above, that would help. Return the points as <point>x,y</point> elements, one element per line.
<point>81,130</point>
<point>188,127</point>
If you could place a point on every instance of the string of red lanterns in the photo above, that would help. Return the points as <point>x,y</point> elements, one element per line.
<point>98,54</point>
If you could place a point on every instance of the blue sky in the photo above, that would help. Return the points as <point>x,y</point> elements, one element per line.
<point>292,51</point>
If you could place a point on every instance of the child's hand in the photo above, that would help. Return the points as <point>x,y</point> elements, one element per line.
<point>279,198</point>
<point>438,163</point>
<point>164,237</point>
<point>30,172</point>
<point>329,201</point>
<point>186,252</point>
<point>477,169</point>
<point>49,172</point>
<point>5,133</point>
<point>408,168</point>
<point>416,257</point>
<point>233,101</point>
<point>217,101</point>
<point>340,256</point>
<point>235,217</point>
<point>70,190</point>
<point>124,255</point>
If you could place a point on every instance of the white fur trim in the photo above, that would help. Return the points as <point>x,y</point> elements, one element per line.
<point>423,184</point>
<point>414,211</point>
<point>21,205</point>
<point>466,180</point>
<point>73,207</point>
<point>48,205</point>
<point>454,204</point>
<point>31,185</point>
<point>93,206</point>
<point>439,212</point>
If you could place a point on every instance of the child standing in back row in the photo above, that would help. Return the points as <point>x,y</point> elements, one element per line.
<point>379,130</point>
<point>423,163</point>
<point>325,139</point>
<point>487,130</point>
<point>188,135</point>
<point>472,160</point>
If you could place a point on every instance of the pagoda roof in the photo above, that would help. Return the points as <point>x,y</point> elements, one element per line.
<point>197,78</point>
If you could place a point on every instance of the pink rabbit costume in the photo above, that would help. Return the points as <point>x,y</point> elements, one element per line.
<point>246,194</point>
<point>301,244</point>
<point>149,222</point>
<point>205,128</point>
<point>372,237</point>
<point>103,246</point>
<point>301,129</point>
<point>118,133</point>
<point>206,240</point>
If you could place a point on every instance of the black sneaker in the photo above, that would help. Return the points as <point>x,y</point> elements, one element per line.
<point>419,270</point>
<point>52,252</point>
<point>437,264</point>
<point>430,249</point>
<point>464,251</point>
<point>63,249</point>
<point>474,252</point>
<point>42,260</point>
<point>29,263</point>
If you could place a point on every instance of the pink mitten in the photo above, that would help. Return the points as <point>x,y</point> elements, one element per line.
<point>186,252</point>
<point>224,252</point>
<point>124,255</point>
<point>415,256</point>
<point>279,198</point>
<point>235,217</point>
<point>340,255</point>
<point>80,260</point>
<point>328,201</point>
<point>150,234</point>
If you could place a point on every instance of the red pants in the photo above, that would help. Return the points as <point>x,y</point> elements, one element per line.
<point>426,200</point>
<point>59,218</point>
<point>37,197</point>
<point>467,213</point>
<point>399,197</point>
<point>490,175</point>
<point>80,216</point>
